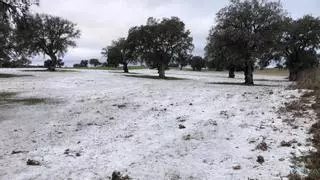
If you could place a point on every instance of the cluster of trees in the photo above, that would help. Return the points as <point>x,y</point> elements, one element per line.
<point>157,43</point>
<point>247,33</point>
<point>25,35</point>
<point>84,63</point>
<point>254,32</point>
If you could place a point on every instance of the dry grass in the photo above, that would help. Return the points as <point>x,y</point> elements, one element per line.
<point>311,80</point>
<point>273,71</point>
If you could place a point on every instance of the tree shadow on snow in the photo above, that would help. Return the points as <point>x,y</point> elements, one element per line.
<point>241,84</point>
<point>45,70</point>
<point>154,77</point>
<point>121,72</point>
<point>5,75</point>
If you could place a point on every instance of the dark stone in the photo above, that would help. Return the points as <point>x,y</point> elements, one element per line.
<point>181,126</point>
<point>31,162</point>
<point>285,144</point>
<point>260,159</point>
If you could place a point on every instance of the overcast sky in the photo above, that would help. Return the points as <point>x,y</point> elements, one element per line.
<point>102,21</point>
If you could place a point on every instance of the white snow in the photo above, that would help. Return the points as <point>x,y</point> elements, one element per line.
<point>224,124</point>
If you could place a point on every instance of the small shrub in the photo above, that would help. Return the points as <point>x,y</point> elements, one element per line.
<point>197,63</point>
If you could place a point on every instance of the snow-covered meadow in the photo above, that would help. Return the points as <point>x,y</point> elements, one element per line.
<point>198,127</point>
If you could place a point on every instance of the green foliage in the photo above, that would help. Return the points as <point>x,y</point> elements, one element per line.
<point>11,14</point>
<point>299,44</point>
<point>158,42</point>
<point>182,59</point>
<point>245,32</point>
<point>49,63</point>
<point>94,62</point>
<point>47,34</point>
<point>84,63</point>
<point>120,52</point>
<point>21,61</point>
<point>197,63</point>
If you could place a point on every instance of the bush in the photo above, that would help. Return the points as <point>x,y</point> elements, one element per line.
<point>197,63</point>
<point>77,66</point>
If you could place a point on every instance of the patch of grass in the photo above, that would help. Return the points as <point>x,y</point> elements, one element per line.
<point>272,71</point>
<point>271,80</point>
<point>7,95</point>
<point>10,98</point>
<point>5,75</point>
<point>155,77</point>
<point>309,79</point>
<point>294,176</point>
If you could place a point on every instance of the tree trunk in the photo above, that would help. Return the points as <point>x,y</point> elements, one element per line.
<point>181,67</point>
<point>53,64</point>
<point>125,68</point>
<point>248,73</point>
<point>231,73</point>
<point>161,71</point>
<point>293,76</point>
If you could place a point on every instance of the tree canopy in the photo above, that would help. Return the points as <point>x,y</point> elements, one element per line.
<point>299,44</point>
<point>197,63</point>
<point>94,62</point>
<point>49,35</point>
<point>120,51</point>
<point>246,31</point>
<point>11,13</point>
<point>159,41</point>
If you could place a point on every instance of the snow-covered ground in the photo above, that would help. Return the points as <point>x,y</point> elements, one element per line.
<point>106,121</point>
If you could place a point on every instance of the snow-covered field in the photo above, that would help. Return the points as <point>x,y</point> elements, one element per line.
<point>105,121</point>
